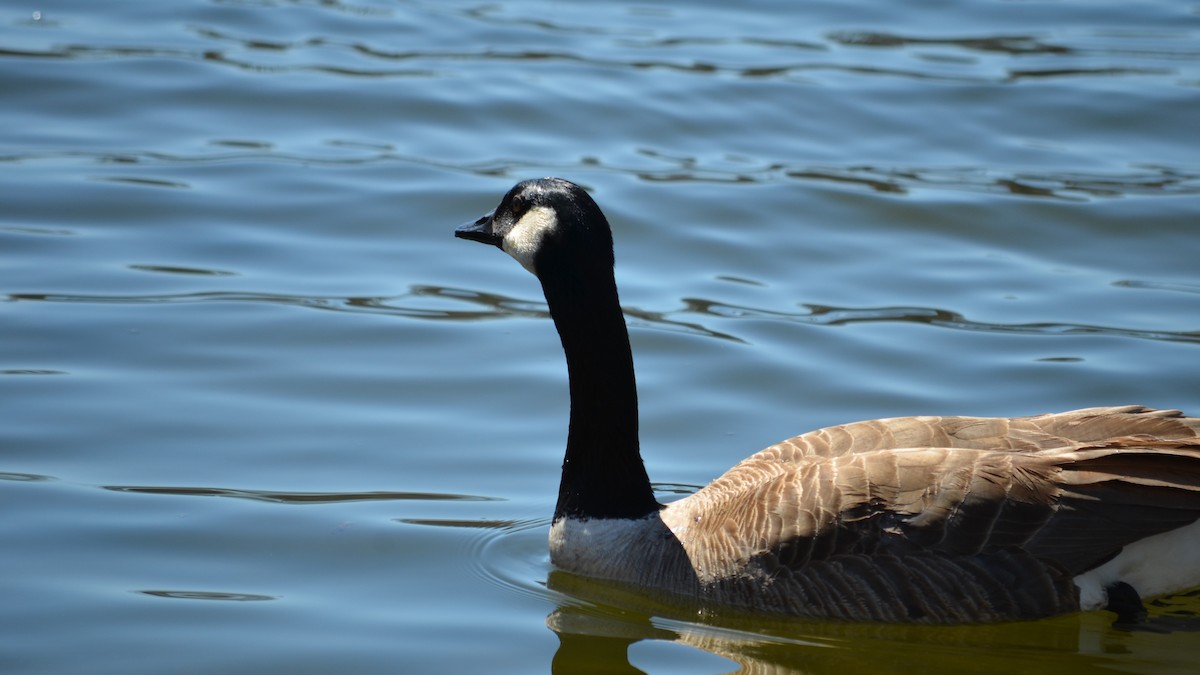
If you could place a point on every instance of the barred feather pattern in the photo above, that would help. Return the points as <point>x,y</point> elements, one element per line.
<point>919,519</point>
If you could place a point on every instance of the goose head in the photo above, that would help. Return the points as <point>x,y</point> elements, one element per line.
<point>554,229</point>
<point>546,223</point>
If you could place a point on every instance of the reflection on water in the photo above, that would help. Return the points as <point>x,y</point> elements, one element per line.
<point>592,642</point>
<point>598,622</point>
<point>612,618</point>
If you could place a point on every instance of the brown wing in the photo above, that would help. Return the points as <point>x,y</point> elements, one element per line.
<point>1040,432</point>
<point>1075,506</point>
<point>956,484</point>
<point>1005,506</point>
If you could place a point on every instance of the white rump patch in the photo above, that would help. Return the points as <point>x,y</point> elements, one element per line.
<point>1160,565</point>
<point>523,240</point>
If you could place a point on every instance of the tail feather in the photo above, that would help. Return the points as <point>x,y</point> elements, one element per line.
<point>1119,492</point>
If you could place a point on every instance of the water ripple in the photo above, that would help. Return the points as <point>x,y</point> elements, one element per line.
<point>823,315</point>
<point>296,497</point>
<point>513,557</point>
<point>488,305</point>
<point>1008,44</point>
<point>470,524</point>
<point>375,305</point>
<point>143,182</point>
<point>1066,185</point>
<point>1061,185</point>
<point>174,269</point>
<point>207,595</point>
<point>638,45</point>
<point>25,477</point>
<point>1072,186</point>
<point>496,306</point>
<point>1158,285</point>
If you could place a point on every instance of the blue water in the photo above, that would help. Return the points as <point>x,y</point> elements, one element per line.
<point>261,412</point>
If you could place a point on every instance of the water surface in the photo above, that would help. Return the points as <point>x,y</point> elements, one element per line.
<point>262,412</point>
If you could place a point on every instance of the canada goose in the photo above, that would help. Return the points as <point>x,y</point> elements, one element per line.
<point>915,519</point>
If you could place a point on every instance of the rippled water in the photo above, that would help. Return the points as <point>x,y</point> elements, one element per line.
<point>259,411</point>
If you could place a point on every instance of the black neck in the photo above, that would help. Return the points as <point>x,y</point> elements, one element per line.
<point>603,475</point>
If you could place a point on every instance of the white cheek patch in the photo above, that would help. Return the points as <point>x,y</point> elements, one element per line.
<point>523,240</point>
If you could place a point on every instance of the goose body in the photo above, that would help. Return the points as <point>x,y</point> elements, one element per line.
<point>915,519</point>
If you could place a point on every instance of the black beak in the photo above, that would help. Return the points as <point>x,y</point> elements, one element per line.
<point>480,230</point>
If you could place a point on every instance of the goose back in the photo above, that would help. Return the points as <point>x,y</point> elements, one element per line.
<point>947,519</point>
